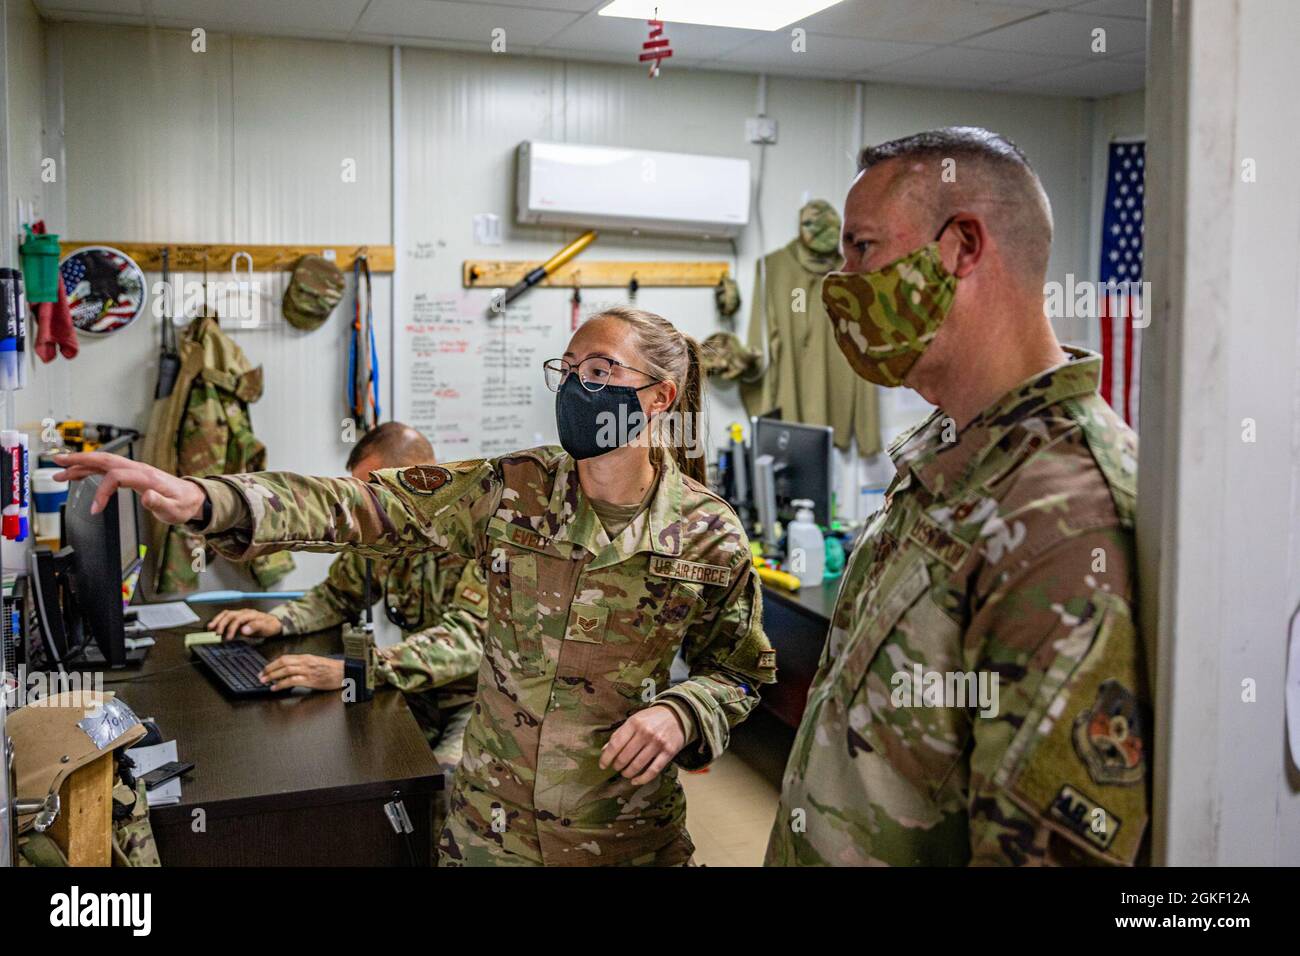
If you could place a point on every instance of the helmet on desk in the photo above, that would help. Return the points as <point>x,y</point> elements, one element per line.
<point>58,735</point>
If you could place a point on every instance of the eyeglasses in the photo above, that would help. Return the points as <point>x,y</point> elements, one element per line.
<point>594,372</point>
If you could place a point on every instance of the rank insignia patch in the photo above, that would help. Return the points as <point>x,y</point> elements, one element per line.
<point>423,479</point>
<point>587,624</point>
<point>1109,735</point>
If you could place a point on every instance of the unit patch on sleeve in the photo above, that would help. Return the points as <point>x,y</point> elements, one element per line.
<point>423,479</point>
<point>1108,736</point>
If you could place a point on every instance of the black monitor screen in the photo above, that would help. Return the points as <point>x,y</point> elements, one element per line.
<point>96,542</point>
<point>801,458</point>
<point>128,528</point>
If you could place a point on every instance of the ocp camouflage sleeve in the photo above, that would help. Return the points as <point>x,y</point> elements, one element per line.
<point>421,508</point>
<point>729,656</point>
<point>1057,776</point>
<point>446,652</point>
<point>339,598</point>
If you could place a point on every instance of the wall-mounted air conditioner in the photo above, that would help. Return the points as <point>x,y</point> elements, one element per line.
<point>635,190</point>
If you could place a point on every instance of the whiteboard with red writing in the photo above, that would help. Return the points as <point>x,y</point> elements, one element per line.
<point>470,379</point>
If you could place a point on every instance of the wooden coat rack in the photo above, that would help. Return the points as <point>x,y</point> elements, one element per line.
<point>586,274</point>
<point>189,256</point>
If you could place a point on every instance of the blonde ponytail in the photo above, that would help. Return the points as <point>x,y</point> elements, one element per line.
<point>673,356</point>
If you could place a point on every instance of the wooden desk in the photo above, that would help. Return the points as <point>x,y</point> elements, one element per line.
<point>293,780</point>
<point>797,625</point>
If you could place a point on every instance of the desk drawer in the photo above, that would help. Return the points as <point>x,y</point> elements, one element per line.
<point>340,834</point>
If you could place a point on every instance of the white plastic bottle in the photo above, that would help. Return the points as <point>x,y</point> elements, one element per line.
<point>805,548</point>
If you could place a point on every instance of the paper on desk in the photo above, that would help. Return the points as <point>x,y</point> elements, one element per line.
<point>151,758</point>
<point>155,617</point>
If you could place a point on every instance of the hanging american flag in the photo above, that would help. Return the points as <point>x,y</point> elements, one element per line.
<point>1121,297</point>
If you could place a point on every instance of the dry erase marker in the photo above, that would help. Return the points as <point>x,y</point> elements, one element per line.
<point>20,349</point>
<point>9,328</point>
<point>6,480</point>
<point>11,520</point>
<point>25,499</point>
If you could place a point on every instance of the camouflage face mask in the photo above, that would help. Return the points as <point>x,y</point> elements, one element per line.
<point>884,320</point>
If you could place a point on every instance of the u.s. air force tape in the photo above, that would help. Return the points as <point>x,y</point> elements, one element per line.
<point>689,570</point>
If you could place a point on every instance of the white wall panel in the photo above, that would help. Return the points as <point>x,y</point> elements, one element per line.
<point>242,143</point>
<point>24,79</point>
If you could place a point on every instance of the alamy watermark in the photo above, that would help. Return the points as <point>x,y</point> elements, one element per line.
<point>671,429</point>
<point>38,688</point>
<point>921,688</point>
<point>1085,299</point>
<point>230,298</point>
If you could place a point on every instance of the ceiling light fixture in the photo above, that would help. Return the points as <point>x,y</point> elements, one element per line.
<point>739,14</point>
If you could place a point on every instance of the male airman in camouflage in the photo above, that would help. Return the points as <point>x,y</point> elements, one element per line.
<point>981,697</point>
<point>438,600</point>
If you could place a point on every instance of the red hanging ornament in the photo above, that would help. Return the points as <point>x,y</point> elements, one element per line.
<point>656,48</point>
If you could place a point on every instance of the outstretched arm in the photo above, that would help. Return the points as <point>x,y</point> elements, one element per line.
<point>424,508</point>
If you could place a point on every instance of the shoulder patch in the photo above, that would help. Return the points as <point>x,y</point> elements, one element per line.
<point>423,479</point>
<point>1108,736</point>
<point>689,570</point>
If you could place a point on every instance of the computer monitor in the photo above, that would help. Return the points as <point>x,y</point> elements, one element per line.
<point>97,564</point>
<point>76,591</point>
<point>801,464</point>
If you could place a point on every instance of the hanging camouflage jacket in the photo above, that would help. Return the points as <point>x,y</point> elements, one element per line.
<point>440,603</point>
<point>807,377</point>
<point>133,841</point>
<point>582,631</point>
<point>203,428</point>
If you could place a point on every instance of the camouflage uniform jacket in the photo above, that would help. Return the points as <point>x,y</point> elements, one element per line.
<point>581,634</point>
<point>441,602</point>
<point>1006,553</point>
<point>807,376</point>
<point>203,428</point>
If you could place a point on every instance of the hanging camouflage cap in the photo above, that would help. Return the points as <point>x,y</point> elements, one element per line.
<point>314,289</point>
<point>819,226</point>
<point>725,355</point>
<point>727,295</point>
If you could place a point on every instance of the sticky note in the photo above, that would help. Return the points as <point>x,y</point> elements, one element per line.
<point>202,637</point>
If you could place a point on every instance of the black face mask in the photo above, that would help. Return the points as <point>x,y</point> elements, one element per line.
<point>593,423</point>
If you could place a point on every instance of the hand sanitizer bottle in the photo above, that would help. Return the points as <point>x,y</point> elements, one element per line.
<point>805,547</point>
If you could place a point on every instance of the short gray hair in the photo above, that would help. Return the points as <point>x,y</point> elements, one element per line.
<point>994,174</point>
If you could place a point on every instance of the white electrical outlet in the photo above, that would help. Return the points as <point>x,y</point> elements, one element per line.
<point>760,129</point>
<point>487,229</point>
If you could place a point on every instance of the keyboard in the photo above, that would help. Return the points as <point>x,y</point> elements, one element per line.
<point>235,665</point>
